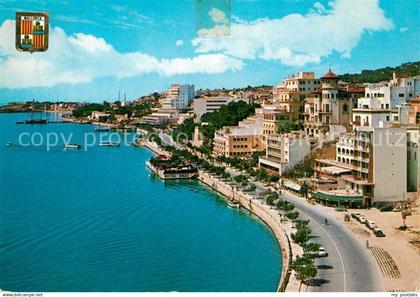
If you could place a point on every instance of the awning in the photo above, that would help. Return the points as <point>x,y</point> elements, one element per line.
<point>292,186</point>
<point>336,197</point>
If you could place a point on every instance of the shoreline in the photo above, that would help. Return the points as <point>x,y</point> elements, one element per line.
<point>262,212</point>
<point>259,210</point>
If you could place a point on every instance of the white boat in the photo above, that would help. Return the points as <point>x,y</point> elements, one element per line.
<point>102,129</point>
<point>72,146</point>
<point>233,203</point>
<point>109,143</point>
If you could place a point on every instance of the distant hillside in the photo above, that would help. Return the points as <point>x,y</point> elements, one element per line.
<point>373,76</point>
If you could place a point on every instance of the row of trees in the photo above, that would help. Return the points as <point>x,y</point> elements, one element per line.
<point>228,115</point>
<point>137,110</point>
<point>304,265</point>
<point>248,165</point>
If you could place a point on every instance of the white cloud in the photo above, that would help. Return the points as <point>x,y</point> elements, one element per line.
<point>179,42</point>
<point>211,63</point>
<point>218,30</point>
<point>298,39</point>
<point>80,58</point>
<point>404,29</point>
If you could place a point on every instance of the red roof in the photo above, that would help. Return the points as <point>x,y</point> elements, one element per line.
<point>329,74</point>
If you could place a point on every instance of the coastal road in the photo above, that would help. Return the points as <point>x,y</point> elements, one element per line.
<point>349,266</point>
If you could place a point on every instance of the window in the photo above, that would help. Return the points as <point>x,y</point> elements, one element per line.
<point>401,95</point>
<point>345,108</point>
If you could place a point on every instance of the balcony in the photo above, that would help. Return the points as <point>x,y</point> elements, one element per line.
<point>362,148</point>
<point>362,159</point>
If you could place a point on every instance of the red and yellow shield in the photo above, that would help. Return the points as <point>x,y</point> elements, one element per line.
<point>32,31</point>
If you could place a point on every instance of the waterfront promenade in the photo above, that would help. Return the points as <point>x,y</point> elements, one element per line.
<point>267,215</point>
<point>281,229</point>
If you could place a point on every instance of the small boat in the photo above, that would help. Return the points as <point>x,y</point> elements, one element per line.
<point>102,129</point>
<point>72,146</point>
<point>109,143</point>
<point>233,203</point>
<point>8,143</point>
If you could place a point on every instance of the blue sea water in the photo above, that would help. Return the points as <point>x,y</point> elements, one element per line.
<point>97,220</point>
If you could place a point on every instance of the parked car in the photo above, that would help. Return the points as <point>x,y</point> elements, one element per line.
<point>378,232</point>
<point>319,254</point>
<point>362,220</point>
<point>371,225</point>
<point>386,208</point>
<point>355,215</point>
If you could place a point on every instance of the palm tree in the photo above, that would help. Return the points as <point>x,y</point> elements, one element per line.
<point>304,190</point>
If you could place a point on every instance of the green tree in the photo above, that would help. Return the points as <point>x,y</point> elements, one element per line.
<point>301,236</point>
<point>292,215</point>
<point>305,269</point>
<point>304,190</point>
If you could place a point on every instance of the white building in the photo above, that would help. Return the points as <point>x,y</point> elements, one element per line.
<point>395,92</point>
<point>284,151</point>
<point>378,155</point>
<point>178,97</point>
<point>413,164</point>
<point>211,104</point>
<point>99,116</point>
<point>241,140</point>
<point>161,117</point>
<point>369,113</point>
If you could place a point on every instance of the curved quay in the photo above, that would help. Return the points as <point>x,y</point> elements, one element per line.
<point>259,210</point>
<point>262,212</point>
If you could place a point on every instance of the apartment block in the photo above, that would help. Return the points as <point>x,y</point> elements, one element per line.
<point>395,92</point>
<point>413,155</point>
<point>241,140</point>
<point>284,151</point>
<point>177,97</point>
<point>273,117</point>
<point>289,95</point>
<point>377,161</point>
<point>210,104</point>
<point>330,107</point>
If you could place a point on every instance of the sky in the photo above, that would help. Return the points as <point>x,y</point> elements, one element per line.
<point>98,48</point>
